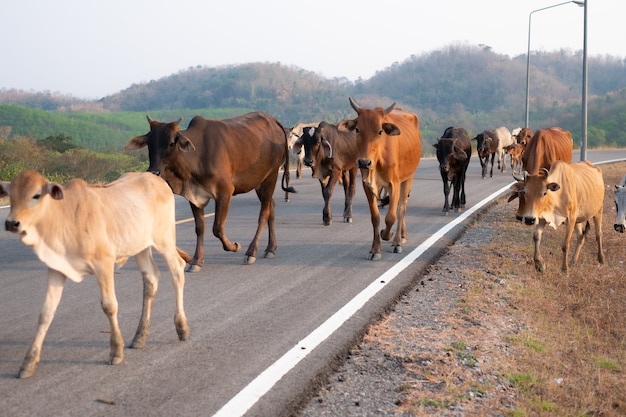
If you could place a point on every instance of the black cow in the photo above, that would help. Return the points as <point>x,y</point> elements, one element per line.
<point>487,146</point>
<point>454,151</point>
<point>331,155</point>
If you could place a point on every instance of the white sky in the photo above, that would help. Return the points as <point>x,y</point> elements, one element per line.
<point>93,48</point>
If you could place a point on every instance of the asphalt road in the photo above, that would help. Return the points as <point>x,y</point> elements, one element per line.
<point>246,321</point>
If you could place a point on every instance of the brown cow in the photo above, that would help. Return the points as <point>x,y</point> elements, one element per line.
<point>570,194</point>
<point>515,152</point>
<point>216,159</point>
<point>82,229</point>
<point>389,151</point>
<point>545,147</point>
<point>331,154</point>
<point>524,136</point>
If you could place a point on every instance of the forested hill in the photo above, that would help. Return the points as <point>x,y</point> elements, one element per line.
<point>457,85</point>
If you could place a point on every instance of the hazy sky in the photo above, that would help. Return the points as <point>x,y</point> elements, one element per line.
<point>93,48</point>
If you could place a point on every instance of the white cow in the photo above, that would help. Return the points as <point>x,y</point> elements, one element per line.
<point>82,229</point>
<point>504,139</point>
<point>620,205</point>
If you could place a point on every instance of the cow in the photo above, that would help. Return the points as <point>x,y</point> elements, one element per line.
<point>570,194</point>
<point>81,229</point>
<point>388,153</point>
<point>540,151</point>
<point>620,206</point>
<point>331,155</point>
<point>216,159</point>
<point>454,151</point>
<point>515,152</point>
<point>505,138</point>
<point>524,136</point>
<point>294,133</point>
<point>487,146</point>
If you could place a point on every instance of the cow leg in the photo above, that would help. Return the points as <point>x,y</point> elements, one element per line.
<point>446,192</point>
<point>150,275</point>
<point>581,236</point>
<point>176,266</point>
<point>104,275</point>
<point>266,215</point>
<point>493,156</point>
<point>349,188</point>
<point>56,282</point>
<point>372,200</point>
<point>222,205</point>
<point>539,264</point>
<point>327,192</point>
<point>456,199</point>
<point>483,165</point>
<point>198,257</point>
<point>401,231</point>
<point>462,187</point>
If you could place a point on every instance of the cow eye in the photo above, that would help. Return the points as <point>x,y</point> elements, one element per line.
<point>36,196</point>
<point>356,129</point>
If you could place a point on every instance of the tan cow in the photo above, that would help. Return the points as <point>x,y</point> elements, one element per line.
<point>570,194</point>
<point>388,153</point>
<point>82,229</point>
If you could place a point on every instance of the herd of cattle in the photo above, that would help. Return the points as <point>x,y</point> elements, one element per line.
<point>217,159</point>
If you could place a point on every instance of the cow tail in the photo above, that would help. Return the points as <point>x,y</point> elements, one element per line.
<point>183,255</point>
<point>285,181</point>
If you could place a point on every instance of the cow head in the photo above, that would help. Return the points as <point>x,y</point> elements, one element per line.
<point>165,142</point>
<point>620,206</point>
<point>524,136</point>
<point>537,191</point>
<point>371,126</point>
<point>317,148</point>
<point>29,194</point>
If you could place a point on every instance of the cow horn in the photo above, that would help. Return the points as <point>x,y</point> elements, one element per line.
<point>354,105</point>
<point>388,109</point>
<point>178,121</point>
<point>518,178</point>
<point>544,170</point>
<point>149,118</point>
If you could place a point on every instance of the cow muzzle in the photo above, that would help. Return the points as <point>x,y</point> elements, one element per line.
<point>365,163</point>
<point>529,220</point>
<point>155,172</point>
<point>308,162</point>
<point>11,226</point>
<point>619,227</point>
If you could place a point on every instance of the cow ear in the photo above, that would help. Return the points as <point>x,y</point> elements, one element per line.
<point>328,150</point>
<point>513,196</point>
<point>553,186</point>
<point>5,187</point>
<point>347,125</point>
<point>391,129</point>
<point>55,190</point>
<point>137,142</point>
<point>184,143</point>
<point>436,145</point>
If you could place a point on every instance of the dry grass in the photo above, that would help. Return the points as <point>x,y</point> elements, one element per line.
<point>518,342</point>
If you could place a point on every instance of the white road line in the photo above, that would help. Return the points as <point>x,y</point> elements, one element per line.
<point>246,398</point>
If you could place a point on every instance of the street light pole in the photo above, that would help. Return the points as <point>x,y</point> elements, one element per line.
<point>583,144</point>
<point>530,15</point>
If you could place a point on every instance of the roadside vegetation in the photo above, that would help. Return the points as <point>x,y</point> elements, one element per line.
<point>520,343</point>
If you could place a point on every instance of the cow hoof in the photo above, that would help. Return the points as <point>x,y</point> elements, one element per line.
<point>348,219</point>
<point>116,360</point>
<point>237,247</point>
<point>269,255</point>
<point>375,256</point>
<point>26,373</point>
<point>445,213</point>
<point>193,268</point>
<point>397,249</point>
<point>249,260</point>
<point>328,222</point>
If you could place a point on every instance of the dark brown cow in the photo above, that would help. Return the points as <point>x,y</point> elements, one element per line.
<point>331,155</point>
<point>487,146</point>
<point>545,147</point>
<point>389,151</point>
<point>454,151</point>
<point>216,159</point>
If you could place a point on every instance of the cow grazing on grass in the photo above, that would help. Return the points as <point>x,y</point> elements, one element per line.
<point>216,159</point>
<point>540,151</point>
<point>454,151</point>
<point>620,206</point>
<point>487,147</point>
<point>293,135</point>
<point>331,154</point>
<point>82,229</point>
<point>570,194</point>
<point>388,153</point>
